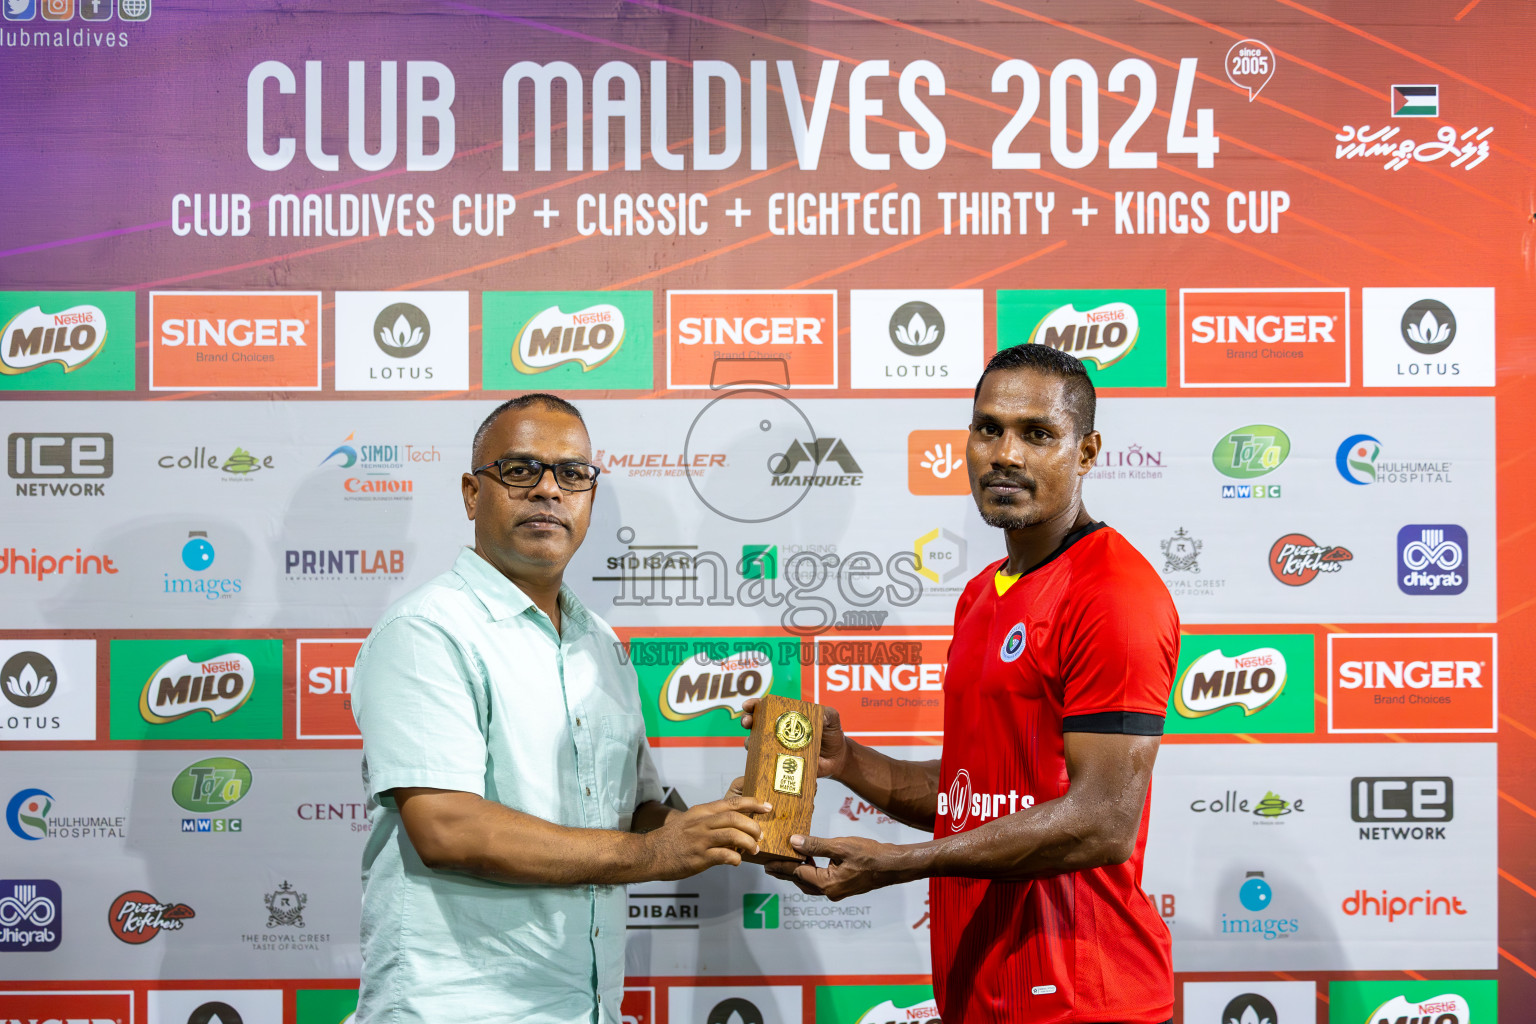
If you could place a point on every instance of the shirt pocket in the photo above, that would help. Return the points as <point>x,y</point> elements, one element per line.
<point>617,768</point>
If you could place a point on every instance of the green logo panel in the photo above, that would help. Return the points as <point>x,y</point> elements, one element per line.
<point>566,341</point>
<point>1120,334</point>
<point>1372,1002</point>
<point>1243,683</point>
<point>67,341</point>
<point>325,1005</point>
<point>759,910</point>
<point>219,689</point>
<point>694,686</point>
<point>875,1004</point>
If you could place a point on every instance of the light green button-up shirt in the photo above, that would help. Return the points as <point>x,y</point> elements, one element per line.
<point>465,685</point>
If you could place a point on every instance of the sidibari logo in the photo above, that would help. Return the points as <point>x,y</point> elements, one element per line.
<point>135,917</point>
<point>1102,335</point>
<point>28,679</point>
<point>703,684</point>
<point>916,328</point>
<point>1444,1009</point>
<point>401,330</point>
<point>1296,559</point>
<point>589,337</point>
<point>1252,451</point>
<point>71,338</point>
<point>1428,327</point>
<point>212,784</point>
<point>1251,681</point>
<point>180,687</point>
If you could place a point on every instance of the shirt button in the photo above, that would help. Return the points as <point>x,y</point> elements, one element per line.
<point>596,932</point>
<point>589,791</point>
<point>578,721</point>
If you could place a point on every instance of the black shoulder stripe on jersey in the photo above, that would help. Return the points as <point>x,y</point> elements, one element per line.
<point>1130,723</point>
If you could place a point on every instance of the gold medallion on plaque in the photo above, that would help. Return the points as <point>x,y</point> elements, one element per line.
<point>788,773</point>
<point>793,730</point>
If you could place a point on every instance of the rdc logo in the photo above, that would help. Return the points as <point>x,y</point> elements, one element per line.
<point>1432,559</point>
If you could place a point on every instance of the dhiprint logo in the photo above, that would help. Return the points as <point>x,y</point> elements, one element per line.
<point>1432,559</point>
<point>402,341</point>
<point>1013,643</point>
<point>1428,337</point>
<point>1297,559</point>
<point>31,915</point>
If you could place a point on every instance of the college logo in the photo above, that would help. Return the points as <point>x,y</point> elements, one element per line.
<point>1296,559</point>
<point>239,465</point>
<point>567,341</point>
<point>1416,101</point>
<point>28,679</point>
<point>196,689</point>
<point>54,458</point>
<point>1264,686</point>
<point>31,915</point>
<point>135,917</point>
<point>1251,451</point>
<point>1428,337</point>
<point>27,814</point>
<point>324,685</point>
<point>234,341</point>
<point>1264,337</point>
<point>1013,643</point>
<point>702,684</point>
<point>936,462</point>
<point>219,686</point>
<point>889,687</point>
<point>402,341</point>
<point>1412,682</point>
<point>1181,552</point>
<point>915,339</point>
<point>212,784</point>
<point>1119,334</point>
<point>285,907</point>
<point>58,341</point>
<point>795,329</point>
<point>1432,559</point>
<point>1268,809</point>
<point>1251,681</point>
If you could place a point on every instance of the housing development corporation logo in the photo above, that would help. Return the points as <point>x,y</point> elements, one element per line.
<point>31,915</point>
<point>1412,682</point>
<point>812,463</point>
<point>402,341</point>
<point>1432,559</point>
<point>1264,337</point>
<point>1120,334</point>
<point>66,341</point>
<point>135,917</point>
<point>915,338</point>
<point>234,341</point>
<point>1296,559</point>
<point>796,328</point>
<point>1428,337</point>
<point>567,340</point>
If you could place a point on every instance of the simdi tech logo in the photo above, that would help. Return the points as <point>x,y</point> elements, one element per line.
<point>693,687</point>
<point>796,329</point>
<point>1227,683</point>
<point>1427,337</point>
<point>915,338</point>
<point>1433,1001</point>
<point>199,689</point>
<point>234,341</point>
<point>1264,337</point>
<point>1120,334</point>
<point>67,341</point>
<point>402,341</point>
<point>1412,682</point>
<point>574,341</point>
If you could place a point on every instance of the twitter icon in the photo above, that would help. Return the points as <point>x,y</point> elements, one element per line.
<point>20,10</point>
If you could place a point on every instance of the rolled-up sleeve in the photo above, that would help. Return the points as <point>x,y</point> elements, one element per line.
<point>418,705</point>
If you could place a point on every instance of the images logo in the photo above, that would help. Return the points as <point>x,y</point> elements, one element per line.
<point>760,910</point>
<point>1296,559</point>
<point>234,341</point>
<point>197,554</point>
<point>702,684</point>
<point>27,814</point>
<point>160,686</point>
<point>1251,451</point>
<point>219,686</point>
<point>1412,682</point>
<point>1255,895</point>
<point>1415,101</point>
<point>135,917</point>
<point>1423,549</point>
<point>1264,687</point>
<point>903,338</point>
<point>1251,681</point>
<point>1119,334</point>
<point>402,341</point>
<point>325,689</point>
<point>31,915</point>
<point>28,679</point>
<point>567,340</point>
<point>1264,337</point>
<point>212,784</point>
<point>588,337</point>
<point>936,462</point>
<point>797,329</point>
<point>1428,338</point>
<point>58,341</point>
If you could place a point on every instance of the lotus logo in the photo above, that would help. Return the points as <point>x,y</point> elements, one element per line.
<point>401,330</point>
<point>702,684</point>
<point>916,328</point>
<point>1428,326</point>
<point>1356,459</point>
<point>28,679</point>
<point>70,338</point>
<point>220,686</point>
<point>1450,1008</point>
<point>1103,335</point>
<point>589,336</point>
<point>1250,1008</point>
<point>1252,681</point>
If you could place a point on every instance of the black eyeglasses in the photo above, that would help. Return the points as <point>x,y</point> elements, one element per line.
<point>569,476</point>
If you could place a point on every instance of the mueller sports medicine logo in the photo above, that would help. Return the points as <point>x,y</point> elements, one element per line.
<point>587,337</point>
<point>135,917</point>
<point>1252,681</point>
<point>797,327</point>
<point>70,337</point>
<point>702,684</point>
<point>1412,682</point>
<point>1296,559</point>
<point>1265,337</point>
<point>1103,335</point>
<point>234,341</point>
<point>219,686</point>
<point>1432,559</point>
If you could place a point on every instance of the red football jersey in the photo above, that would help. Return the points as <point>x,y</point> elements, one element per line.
<point>1087,641</point>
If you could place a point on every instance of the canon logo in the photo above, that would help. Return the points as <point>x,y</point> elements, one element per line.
<point>263,332</point>
<point>1290,329</point>
<point>1416,675</point>
<point>755,330</point>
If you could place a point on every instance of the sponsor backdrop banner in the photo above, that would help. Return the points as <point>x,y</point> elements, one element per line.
<point>265,270</point>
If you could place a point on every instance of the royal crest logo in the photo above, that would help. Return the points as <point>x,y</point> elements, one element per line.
<point>285,907</point>
<point>1181,552</point>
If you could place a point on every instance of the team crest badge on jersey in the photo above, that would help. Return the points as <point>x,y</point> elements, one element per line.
<point>1013,643</point>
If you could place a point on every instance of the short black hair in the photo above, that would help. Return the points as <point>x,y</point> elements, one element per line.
<point>1081,395</point>
<point>520,402</point>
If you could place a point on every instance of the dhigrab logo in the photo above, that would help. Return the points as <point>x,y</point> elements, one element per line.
<point>1432,559</point>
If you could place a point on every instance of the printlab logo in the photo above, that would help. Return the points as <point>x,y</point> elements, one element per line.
<point>567,340</point>
<point>135,917</point>
<point>1432,559</point>
<point>197,555</point>
<point>59,341</point>
<point>1444,338</point>
<point>936,462</point>
<point>27,814</point>
<point>760,910</point>
<point>31,915</point>
<point>285,907</point>
<point>1119,334</point>
<point>915,339</point>
<point>52,459</point>
<point>1416,101</point>
<point>1296,559</point>
<point>1181,552</point>
<point>385,342</point>
<point>28,679</point>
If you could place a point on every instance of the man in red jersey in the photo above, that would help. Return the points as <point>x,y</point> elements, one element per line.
<point>1059,672</point>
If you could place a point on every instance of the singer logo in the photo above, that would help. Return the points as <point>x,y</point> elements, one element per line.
<point>71,1007</point>
<point>796,329</point>
<point>1412,682</point>
<point>234,341</point>
<point>1264,337</point>
<point>325,689</point>
<point>892,687</point>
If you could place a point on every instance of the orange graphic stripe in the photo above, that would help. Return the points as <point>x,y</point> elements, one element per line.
<point>1523,728</point>
<point>973,282</point>
<point>1516,803</point>
<point>870,258</point>
<point>1510,613</point>
<point>1506,954</point>
<point>702,257</point>
<point>1272,258</point>
<point>1465,10</point>
<point>1512,880</point>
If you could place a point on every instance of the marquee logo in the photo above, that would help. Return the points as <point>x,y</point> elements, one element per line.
<point>135,917</point>
<point>1120,334</point>
<point>234,341</point>
<point>802,463</point>
<point>589,337</point>
<point>703,684</point>
<point>1252,681</point>
<point>219,686</point>
<point>1102,335</point>
<point>70,338</point>
<point>1296,559</point>
<point>31,915</point>
<point>1432,559</point>
<point>1264,337</point>
<point>798,328</point>
<point>1412,682</point>
<point>212,784</point>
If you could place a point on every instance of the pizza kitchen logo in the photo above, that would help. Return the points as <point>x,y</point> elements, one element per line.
<point>702,684</point>
<point>135,917</point>
<point>1296,559</point>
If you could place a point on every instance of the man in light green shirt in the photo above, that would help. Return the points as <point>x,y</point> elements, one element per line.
<point>509,781</point>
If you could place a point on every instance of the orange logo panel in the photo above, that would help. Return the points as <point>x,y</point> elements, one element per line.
<point>234,341</point>
<point>325,689</point>
<point>795,332</point>
<point>885,685</point>
<point>936,462</point>
<point>1412,682</point>
<point>1297,338</point>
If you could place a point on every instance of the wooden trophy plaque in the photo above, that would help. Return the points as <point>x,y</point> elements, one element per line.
<point>781,770</point>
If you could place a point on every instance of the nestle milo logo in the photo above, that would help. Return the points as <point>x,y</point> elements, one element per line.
<point>71,337</point>
<point>1251,681</point>
<point>589,336</point>
<point>702,684</point>
<point>1102,335</point>
<point>180,687</point>
<point>211,784</point>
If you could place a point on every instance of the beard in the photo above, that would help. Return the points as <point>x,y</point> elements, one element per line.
<point>1010,518</point>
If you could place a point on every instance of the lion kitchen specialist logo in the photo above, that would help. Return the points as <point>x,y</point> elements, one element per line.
<point>1428,337</point>
<point>914,339</point>
<point>1243,683</point>
<point>234,341</point>
<point>577,341</point>
<point>694,686</point>
<point>1434,1001</point>
<point>67,341</point>
<point>1120,334</point>
<point>797,330</point>
<point>402,341</point>
<point>1264,337</point>
<point>196,689</point>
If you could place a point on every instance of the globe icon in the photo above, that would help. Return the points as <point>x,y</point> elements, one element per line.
<point>197,554</point>
<point>1255,894</point>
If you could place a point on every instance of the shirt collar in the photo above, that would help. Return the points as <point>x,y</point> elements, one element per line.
<point>505,599</point>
